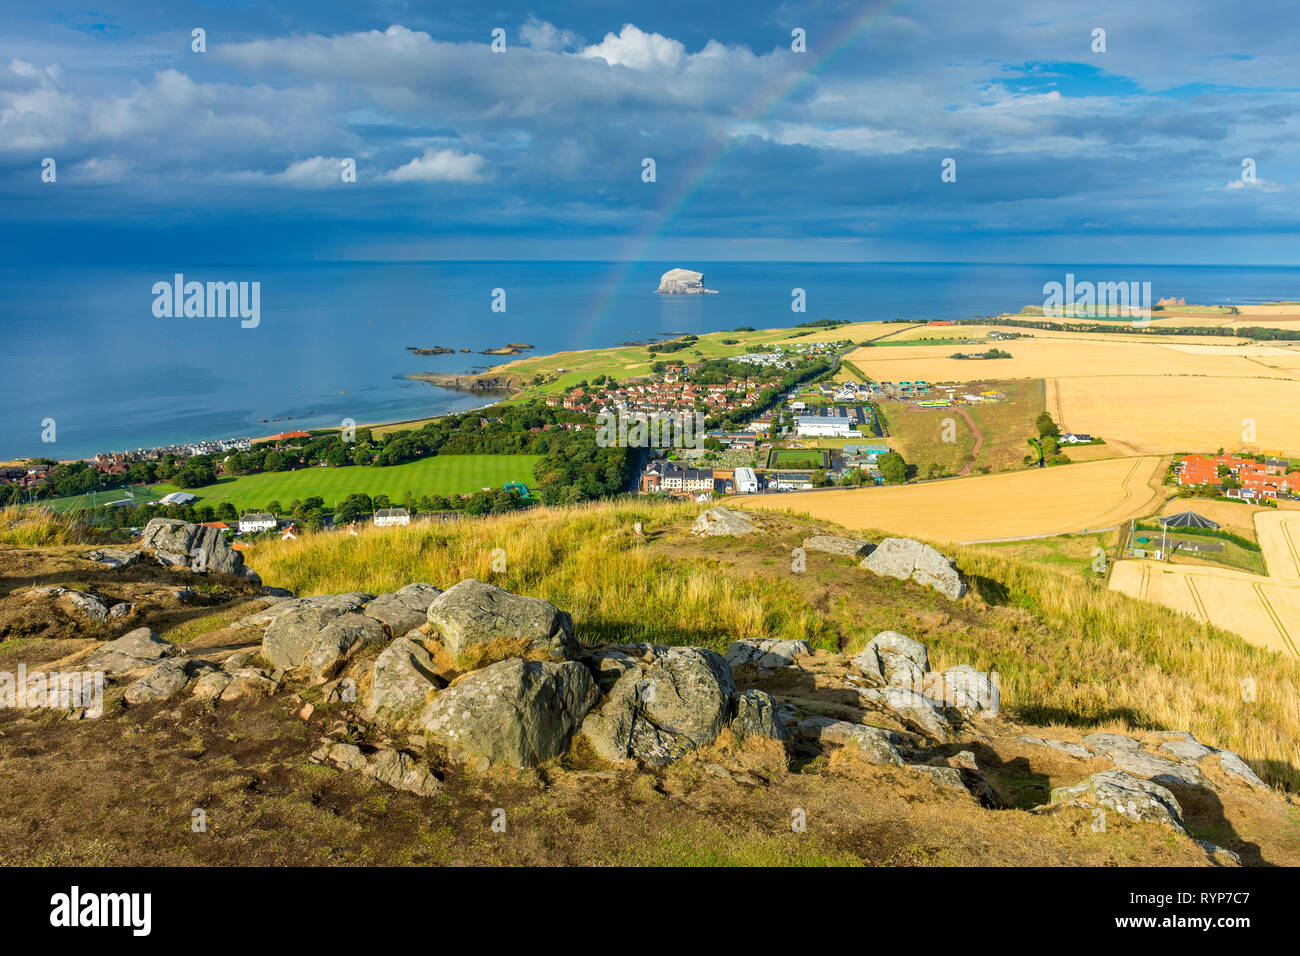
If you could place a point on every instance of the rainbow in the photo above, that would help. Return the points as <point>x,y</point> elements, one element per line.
<point>760,107</point>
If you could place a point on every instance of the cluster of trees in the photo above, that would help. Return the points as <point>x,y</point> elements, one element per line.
<point>893,468</point>
<point>673,345</point>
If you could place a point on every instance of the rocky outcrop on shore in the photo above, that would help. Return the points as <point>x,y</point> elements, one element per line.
<point>501,384</point>
<point>683,282</point>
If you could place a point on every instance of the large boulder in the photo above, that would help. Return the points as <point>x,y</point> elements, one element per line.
<point>970,692</point>
<point>176,542</point>
<point>474,618</point>
<point>896,658</point>
<point>515,713</point>
<point>401,680</point>
<point>665,702</point>
<point>396,615</point>
<point>723,522</point>
<point>904,558</point>
<point>766,652</point>
<point>1138,800</point>
<point>291,634</point>
<point>131,652</point>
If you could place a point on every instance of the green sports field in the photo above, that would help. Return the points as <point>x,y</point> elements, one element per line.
<point>797,458</point>
<point>440,475</point>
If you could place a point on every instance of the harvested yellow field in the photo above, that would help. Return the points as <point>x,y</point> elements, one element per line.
<point>1154,414</point>
<point>1037,502</point>
<point>1061,357</point>
<point>1263,610</point>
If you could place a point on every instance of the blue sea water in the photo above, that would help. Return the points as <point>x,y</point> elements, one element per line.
<point>82,345</point>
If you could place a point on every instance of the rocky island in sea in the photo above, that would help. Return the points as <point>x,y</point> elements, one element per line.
<point>683,282</point>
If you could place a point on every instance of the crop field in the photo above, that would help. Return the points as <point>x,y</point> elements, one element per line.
<point>1263,610</point>
<point>1148,414</point>
<point>1040,501</point>
<point>440,475</point>
<point>1143,397</point>
<point>1095,356</point>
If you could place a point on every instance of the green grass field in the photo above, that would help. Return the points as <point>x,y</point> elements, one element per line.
<point>440,475</point>
<point>798,458</point>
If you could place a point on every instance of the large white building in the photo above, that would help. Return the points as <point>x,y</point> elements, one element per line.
<point>746,481</point>
<point>831,423</point>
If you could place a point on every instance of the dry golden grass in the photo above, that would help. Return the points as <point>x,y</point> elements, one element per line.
<point>1039,501</point>
<point>37,527</point>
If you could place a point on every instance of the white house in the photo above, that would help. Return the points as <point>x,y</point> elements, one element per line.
<point>746,481</point>
<point>257,521</point>
<point>386,517</point>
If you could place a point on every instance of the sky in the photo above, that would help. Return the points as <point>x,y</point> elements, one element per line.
<point>1168,138</point>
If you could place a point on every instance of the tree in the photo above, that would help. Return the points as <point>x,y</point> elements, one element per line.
<point>893,468</point>
<point>1046,426</point>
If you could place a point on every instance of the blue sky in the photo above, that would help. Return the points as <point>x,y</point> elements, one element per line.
<point>1063,153</point>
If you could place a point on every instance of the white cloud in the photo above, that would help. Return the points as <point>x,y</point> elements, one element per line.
<point>541,35</point>
<point>638,50</point>
<point>440,166</point>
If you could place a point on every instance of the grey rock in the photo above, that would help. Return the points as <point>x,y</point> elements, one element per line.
<point>292,633</point>
<point>277,592</point>
<point>664,702</point>
<point>517,713</point>
<point>909,707</point>
<point>345,756</point>
<point>1137,799</point>
<point>418,595</point>
<point>119,611</point>
<point>1149,766</point>
<point>899,659</point>
<point>401,680</point>
<point>395,614</point>
<point>162,681</point>
<point>766,652</point>
<point>402,772</point>
<point>903,558</point>
<point>1218,855</point>
<point>1232,764</point>
<point>949,777</point>
<point>834,544</point>
<point>970,692</point>
<point>1074,750</point>
<point>211,685</point>
<point>1187,750</point>
<point>338,641</point>
<point>473,613</point>
<point>723,522</point>
<point>756,716</point>
<point>113,557</point>
<point>174,543</point>
<point>1106,743</point>
<point>132,651</point>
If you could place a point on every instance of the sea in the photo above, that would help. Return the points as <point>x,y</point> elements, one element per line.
<point>84,359</point>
